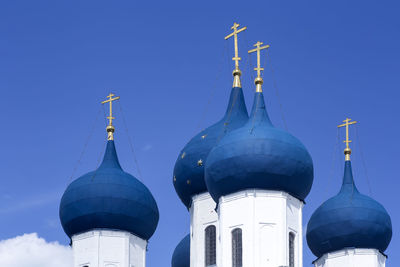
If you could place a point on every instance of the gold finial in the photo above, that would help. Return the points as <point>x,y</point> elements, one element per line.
<point>347,150</point>
<point>236,58</point>
<point>110,128</point>
<point>258,81</point>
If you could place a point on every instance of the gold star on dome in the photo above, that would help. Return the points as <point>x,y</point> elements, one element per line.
<point>200,162</point>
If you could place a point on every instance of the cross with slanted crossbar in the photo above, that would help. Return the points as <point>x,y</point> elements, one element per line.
<point>236,58</point>
<point>258,49</point>
<point>347,123</point>
<point>110,100</point>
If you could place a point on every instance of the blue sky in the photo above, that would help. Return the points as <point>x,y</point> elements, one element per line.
<point>171,66</point>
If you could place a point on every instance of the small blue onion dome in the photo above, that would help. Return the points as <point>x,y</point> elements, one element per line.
<point>109,198</point>
<point>181,256</point>
<point>260,156</point>
<point>349,220</point>
<point>189,170</point>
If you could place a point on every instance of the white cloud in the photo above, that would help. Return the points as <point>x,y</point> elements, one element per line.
<point>29,250</point>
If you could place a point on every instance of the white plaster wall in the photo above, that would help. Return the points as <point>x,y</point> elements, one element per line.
<point>202,214</point>
<point>107,248</point>
<point>352,257</point>
<point>266,219</point>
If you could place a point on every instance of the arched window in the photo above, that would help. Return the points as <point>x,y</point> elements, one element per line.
<point>291,249</point>
<point>237,247</point>
<point>210,245</point>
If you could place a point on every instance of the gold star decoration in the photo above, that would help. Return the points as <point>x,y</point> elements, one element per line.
<point>200,162</point>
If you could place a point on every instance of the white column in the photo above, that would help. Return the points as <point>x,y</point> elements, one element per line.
<point>202,215</point>
<point>107,248</point>
<point>266,219</point>
<point>352,257</point>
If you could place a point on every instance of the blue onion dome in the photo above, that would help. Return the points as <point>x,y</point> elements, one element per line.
<point>349,220</point>
<point>259,156</point>
<point>189,170</point>
<point>181,256</point>
<point>109,198</point>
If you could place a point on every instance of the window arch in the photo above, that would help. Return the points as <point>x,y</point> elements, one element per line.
<point>237,247</point>
<point>291,249</point>
<point>210,246</point>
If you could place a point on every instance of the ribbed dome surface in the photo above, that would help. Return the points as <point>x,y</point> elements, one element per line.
<point>108,198</point>
<point>189,167</point>
<point>349,219</point>
<point>181,256</point>
<point>258,155</point>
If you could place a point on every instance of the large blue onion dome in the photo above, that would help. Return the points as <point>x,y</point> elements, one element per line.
<point>109,198</point>
<point>189,170</point>
<point>181,256</point>
<point>260,156</point>
<point>349,220</point>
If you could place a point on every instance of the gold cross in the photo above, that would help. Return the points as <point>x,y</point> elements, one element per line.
<point>110,127</point>
<point>236,58</point>
<point>346,123</point>
<point>258,81</point>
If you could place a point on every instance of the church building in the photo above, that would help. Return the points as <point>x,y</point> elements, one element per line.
<point>244,183</point>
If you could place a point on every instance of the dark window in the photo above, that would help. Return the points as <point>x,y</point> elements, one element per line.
<point>237,247</point>
<point>210,243</point>
<point>291,249</point>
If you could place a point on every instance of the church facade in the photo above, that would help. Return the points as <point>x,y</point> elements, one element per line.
<point>244,183</point>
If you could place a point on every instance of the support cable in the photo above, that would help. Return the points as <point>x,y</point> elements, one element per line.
<point>211,97</point>
<point>130,142</point>
<point>274,84</point>
<point>84,146</point>
<point>363,161</point>
<point>104,146</point>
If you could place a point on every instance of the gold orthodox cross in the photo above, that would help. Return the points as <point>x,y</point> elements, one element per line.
<point>235,32</point>
<point>346,123</point>
<point>258,81</point>
<point>110,127</point>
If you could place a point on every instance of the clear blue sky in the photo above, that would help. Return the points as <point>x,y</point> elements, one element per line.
<point>167,61</point>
